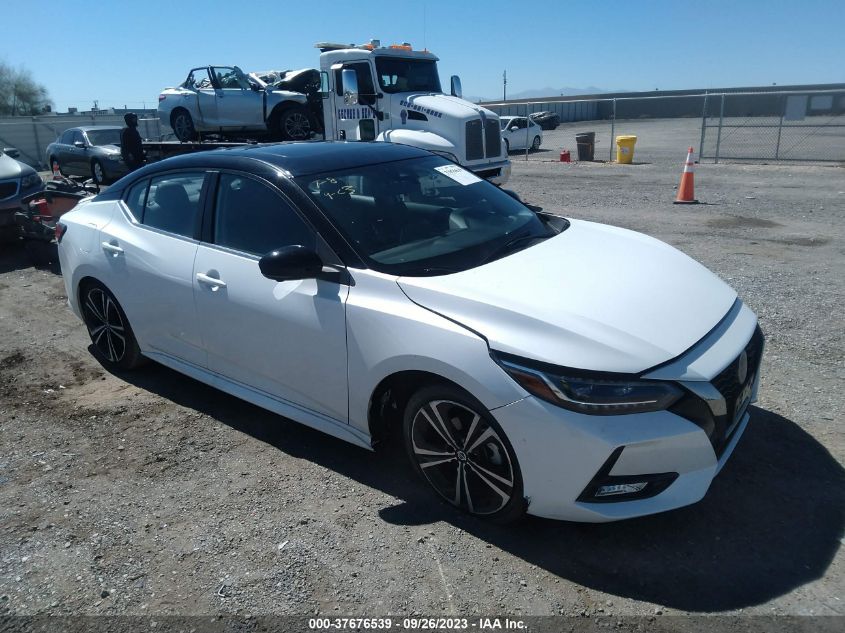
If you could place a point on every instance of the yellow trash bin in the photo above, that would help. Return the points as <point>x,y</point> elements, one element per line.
<point>625,149</point>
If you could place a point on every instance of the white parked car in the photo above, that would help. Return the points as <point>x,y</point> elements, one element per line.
<point>519,132</point>
<point>529,362</point>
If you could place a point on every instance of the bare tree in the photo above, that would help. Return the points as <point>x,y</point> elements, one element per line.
<point>20,94</point>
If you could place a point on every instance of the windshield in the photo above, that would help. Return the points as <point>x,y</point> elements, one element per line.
<point>104,137</point>
<point>397,74</point>
<point>422,216</point>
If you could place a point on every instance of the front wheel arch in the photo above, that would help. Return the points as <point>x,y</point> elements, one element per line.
<point>390,397</point>
<point>275,122</point>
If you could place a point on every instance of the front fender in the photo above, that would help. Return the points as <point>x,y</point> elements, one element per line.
<point>275,97</point>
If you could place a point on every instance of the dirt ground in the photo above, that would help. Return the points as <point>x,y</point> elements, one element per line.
<point>149,493</point>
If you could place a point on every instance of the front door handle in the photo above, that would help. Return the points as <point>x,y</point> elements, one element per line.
<point>210,281</point>
<point>114,249</point>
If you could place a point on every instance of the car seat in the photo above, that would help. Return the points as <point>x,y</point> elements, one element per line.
<point>173,212</point>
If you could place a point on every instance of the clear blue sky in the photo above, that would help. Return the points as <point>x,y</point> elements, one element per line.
<point>123,53</point>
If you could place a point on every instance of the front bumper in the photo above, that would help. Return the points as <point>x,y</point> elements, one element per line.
<point>560,452</point>
<point>564,456</point>
<point>497,173</point>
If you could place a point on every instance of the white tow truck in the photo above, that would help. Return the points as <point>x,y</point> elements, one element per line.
<point>393,93</point>
<point>367,92</point>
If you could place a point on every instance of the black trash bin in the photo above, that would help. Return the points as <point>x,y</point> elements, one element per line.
<point>586,145</point>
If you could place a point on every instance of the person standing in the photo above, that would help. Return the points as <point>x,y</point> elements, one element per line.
<point>130,143</point>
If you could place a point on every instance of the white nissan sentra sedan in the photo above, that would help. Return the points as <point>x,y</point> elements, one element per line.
<point>531,363</point>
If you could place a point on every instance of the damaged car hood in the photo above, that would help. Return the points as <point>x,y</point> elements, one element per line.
<point>594,297</point>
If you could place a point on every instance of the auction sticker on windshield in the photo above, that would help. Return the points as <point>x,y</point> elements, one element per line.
<point>458,174</point>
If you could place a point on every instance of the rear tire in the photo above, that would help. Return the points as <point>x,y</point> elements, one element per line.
<point>183,126</point>
<point>111,335</point>
<point>459,449</point>
<point>536,144</point>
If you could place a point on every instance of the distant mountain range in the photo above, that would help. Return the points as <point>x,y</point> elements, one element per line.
<point>566,91</point>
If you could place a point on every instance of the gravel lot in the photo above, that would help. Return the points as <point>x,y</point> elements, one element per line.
<point>149,493</point>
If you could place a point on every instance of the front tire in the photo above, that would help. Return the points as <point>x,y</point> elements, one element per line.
<point>111,335</point>
<point>56,166</point>
<point>457,447</point>
<point>294,124</point>
<point>183,126</point>
<point>98,173</point>
<point>507,147</point>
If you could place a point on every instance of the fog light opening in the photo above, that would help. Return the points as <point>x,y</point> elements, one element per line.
<point>620,489</point>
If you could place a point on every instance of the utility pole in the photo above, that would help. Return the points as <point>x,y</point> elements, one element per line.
<point>505,85</point>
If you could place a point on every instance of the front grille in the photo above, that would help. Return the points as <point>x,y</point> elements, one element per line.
<point>8,188</point>
<point>727,382</point>
<point>475,146</point>
<point>720,429</point>
<point>493,138</point>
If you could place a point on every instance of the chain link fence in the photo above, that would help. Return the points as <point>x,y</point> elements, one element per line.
<point>790,126</point>
<point>806,126</point>
<point>31,135</point>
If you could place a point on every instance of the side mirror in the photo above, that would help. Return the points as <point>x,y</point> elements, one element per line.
<point>350,86</point>
<point>79,144</point>
<point>514,128</point>
<point>291,262</point>
<point>457,91</point>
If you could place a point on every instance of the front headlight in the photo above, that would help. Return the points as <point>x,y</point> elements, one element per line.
<point>113,156</point>
<point>30,181</point>
<point>587,394</point>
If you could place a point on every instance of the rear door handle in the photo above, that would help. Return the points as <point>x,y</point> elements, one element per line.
<point>114,249</point>
<point>210,281</point>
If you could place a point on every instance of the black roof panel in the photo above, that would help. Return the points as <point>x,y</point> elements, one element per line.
<point>304,157</point>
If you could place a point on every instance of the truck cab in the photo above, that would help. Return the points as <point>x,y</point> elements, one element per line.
<point>393,94</point>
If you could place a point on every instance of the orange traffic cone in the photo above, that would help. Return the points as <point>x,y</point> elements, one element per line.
<point>686,190</point>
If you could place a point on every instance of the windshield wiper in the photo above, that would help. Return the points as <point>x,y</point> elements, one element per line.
<point>507,246</point>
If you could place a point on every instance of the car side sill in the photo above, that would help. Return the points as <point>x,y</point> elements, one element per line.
<point>295,412</point>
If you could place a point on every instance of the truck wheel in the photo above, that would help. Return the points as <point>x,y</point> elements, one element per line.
<point>183,126</point>
<point>294,124</point>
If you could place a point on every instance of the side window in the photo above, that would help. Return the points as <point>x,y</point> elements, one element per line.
<point>136,198</point>
<point>199,80</point>
<point>67,137</point>
<point>173,203</point>
<point>77,136</point>
<point>251,217</point>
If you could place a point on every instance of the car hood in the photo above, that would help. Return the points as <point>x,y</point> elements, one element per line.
<point>11,168</point>
<point>594,297</point>
<point>434,104</point>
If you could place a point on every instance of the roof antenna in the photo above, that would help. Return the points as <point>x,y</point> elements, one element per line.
<point>425,48</point>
